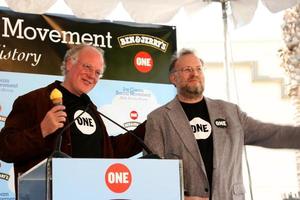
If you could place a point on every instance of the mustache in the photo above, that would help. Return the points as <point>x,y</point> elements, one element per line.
<point>194,79</point>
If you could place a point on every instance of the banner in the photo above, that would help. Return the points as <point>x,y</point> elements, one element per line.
<point>137,57</point>
<point>133,52</point>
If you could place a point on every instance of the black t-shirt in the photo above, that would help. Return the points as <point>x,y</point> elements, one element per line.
<point>86,136</point>
<point>198,116</point>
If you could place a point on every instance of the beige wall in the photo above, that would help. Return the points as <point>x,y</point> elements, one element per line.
<point>258,86</point>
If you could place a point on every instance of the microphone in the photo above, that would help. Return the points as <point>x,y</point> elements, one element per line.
<point>150,154</point>
<point>56,97</point>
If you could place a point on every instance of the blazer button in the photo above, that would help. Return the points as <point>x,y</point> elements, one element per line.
<point>206,189</point>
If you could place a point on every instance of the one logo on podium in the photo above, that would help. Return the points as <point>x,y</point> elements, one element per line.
<point>118,178</point>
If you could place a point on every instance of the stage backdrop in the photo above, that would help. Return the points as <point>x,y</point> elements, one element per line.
<point>135,81</point>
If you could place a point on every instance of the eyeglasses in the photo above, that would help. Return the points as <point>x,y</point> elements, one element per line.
<point>87,68</point>
<point>189,69</point>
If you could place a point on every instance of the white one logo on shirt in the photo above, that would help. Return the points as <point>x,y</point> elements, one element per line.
<point>201,128</point>
<point>85,123</point>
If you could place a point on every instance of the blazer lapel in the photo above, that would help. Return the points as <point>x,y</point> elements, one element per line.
<point>183,129</point>
<point>216,114</point>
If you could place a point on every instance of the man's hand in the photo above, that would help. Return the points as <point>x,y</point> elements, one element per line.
<point>53,120</point>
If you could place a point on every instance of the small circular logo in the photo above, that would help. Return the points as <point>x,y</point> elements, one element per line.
<point>118,178</point>
<point>133,115</point>
<point>85,123</point>
<point>143,62</point>
<point>221,123</point>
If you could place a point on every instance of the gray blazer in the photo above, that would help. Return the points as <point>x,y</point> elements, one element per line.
<point>168,133</point>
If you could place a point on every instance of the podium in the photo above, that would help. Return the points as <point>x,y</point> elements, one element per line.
<point>105,179</point>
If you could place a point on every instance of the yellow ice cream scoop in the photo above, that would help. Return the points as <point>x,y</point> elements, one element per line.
<point>56,97</point>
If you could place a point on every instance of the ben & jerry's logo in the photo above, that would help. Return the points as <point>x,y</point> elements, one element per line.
<point>133,123</point>
<point>4,176</point>
<point>143,39</point>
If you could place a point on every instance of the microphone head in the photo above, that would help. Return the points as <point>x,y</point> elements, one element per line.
<point>56,97</point>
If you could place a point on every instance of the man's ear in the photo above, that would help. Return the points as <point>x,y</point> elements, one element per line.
<point>69,64</point>
<point>172,79</point>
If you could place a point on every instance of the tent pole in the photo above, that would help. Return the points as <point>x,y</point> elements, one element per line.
<point>224,4</point>
<point>227,68</point>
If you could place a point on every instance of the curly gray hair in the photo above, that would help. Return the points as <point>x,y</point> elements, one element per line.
<point>73,53</point>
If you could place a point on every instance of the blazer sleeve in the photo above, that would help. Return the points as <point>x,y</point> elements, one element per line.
<point>269,135</point>
<point>154,137</point>
<point>21,138</point>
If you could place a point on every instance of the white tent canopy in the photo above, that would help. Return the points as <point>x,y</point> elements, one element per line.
<point>150,11</point>
<point>240,12</point>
